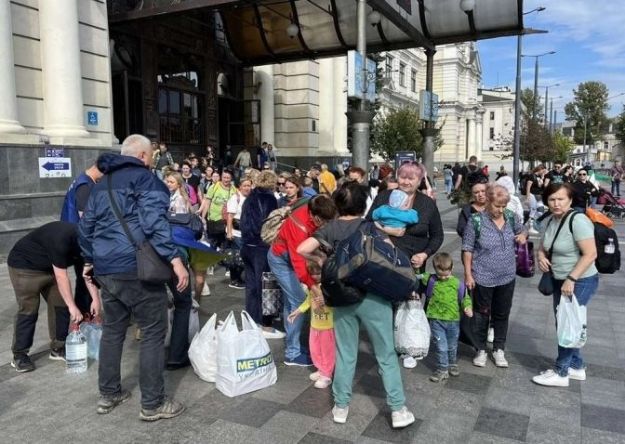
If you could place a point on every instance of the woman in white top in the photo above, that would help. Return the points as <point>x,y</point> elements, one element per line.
<point>179,198</point>
<point>233,234</point>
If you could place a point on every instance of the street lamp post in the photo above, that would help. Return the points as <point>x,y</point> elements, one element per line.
<point>547,103</point>
<point>516,147</point>
<point>535,99</point>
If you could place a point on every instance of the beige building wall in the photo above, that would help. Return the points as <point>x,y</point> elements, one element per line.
<point>93,87</point>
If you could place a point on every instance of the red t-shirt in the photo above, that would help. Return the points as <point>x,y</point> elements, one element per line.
<point>298,227</point>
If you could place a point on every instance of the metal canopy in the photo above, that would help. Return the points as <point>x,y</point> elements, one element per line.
<point>257,29</point>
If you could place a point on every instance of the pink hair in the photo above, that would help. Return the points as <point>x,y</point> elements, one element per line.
<point>410,169</point>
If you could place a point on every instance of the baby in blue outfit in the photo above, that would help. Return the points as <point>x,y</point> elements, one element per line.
<point>395,216</point>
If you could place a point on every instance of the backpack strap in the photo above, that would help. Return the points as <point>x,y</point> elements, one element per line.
<point>509,217</point>
<point>430,287</point>
<point>462,291</point>
<point>476,220</point>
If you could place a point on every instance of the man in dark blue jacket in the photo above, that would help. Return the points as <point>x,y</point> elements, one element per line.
<point>111,257</point>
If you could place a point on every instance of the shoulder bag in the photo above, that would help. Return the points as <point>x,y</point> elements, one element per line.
<point>545,286</point>
<point>151,267</point>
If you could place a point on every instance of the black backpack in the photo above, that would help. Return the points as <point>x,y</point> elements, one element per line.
<point>606,263</point>
<point>336,292</point>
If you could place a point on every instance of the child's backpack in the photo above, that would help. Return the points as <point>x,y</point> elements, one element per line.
<point>272,223</point>
<point>608,253</point>
<point>429,290</point>
<point>476,219</point>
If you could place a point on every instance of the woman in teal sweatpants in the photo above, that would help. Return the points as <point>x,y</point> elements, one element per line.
<point>376,315</point>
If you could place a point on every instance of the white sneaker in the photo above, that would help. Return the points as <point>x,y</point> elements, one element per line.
<point>402,418</point>
<point>491,335</point>
<point>410,362</point>
<point>551,379</point>
<point>480,358</point>
<point>206,291</point>
<point>211,271</point>
<point>323,382</point>
<point>578,374</point>
<point>314,376</point>
<point>340,414</point>
<point>227,273</point>
<point>273,334</point>
<point>500,358</point>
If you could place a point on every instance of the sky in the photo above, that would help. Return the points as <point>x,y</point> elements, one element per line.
<point>587,36</point>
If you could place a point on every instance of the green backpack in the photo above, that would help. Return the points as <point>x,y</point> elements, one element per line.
<point>476,219</point>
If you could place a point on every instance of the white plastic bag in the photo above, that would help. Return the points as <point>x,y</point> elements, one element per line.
<point>244,359</point>
<point>203,351</point>
<point>194,320</point>
<point>412,330</point>
<point>571,323</point>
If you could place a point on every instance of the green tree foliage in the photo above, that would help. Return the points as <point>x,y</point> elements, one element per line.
<point>588,109</point>
<point>527,100</point>
<point>619,126</point>
<point>562,147</point>
<point>536,142</point>
<point>398,130</point>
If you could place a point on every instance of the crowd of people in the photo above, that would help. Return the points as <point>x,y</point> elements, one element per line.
<point>122,203</point>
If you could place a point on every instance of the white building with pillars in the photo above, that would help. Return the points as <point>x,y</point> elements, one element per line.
<point>303,104</point>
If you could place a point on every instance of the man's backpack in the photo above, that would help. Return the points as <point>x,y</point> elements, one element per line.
<point>336,292</point>
<point>368,260</point>
<point>476,219</point>
<point>272,223</point>
<point>606,262</point>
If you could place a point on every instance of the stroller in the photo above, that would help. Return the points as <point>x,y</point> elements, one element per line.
<point>612,207</point>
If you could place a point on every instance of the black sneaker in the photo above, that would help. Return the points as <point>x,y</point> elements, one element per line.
<point>22,363</point>
<point>168,409</point>
<point>57,354</point>
<point>177,365</point>
<point>237,285</point>
<point>107,403</point>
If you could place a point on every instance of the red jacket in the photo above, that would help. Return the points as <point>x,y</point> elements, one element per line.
<point>291,234</point>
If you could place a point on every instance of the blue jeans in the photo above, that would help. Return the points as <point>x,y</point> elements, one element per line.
<point>616,187</point>
<point>292,297</point>
<point>255,260</point>
<point>445,338</point>
<point>448,185</point>
<point>148,304</point>
<point>584,290</point>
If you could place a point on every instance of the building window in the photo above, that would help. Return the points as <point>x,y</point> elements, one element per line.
<point>402,74</point>
<point>492,133</point>
<point>389,65</point>
<point>413,80</point>
<point>180,117</point>
<point>492,115</point>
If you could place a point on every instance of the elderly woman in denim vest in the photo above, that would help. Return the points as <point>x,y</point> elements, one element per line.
<point>573,267</point>
<point>488,249</point>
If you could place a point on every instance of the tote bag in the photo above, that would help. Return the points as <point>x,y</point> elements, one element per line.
<point>244,360</point>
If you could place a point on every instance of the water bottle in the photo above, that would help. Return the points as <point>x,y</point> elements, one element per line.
<point>609,247</point>
<point>75,350</point>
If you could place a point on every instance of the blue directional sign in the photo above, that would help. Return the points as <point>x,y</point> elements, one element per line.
<point>92,117</point>
<point>55,166</point>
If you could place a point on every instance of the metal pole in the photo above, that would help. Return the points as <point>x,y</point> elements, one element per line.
<point>516,149</point>
<point>361,119</point>
<point>551,117</point>
<point>546,107</point>
<point>535,103</point>
<point>430,131</point>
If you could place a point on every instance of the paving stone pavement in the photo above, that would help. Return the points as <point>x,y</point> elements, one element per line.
<point>483,405</point>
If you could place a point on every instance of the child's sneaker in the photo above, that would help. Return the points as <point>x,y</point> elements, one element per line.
<point>550,378</point>
<point>410,362</point>
<point>402,418</point>
<point>454,370</point>
<point>323,382</point>
<point>579,374</point>
<point>439,376</point>
<point>314,376</point>
<point>480,358</point>
<point>206,291</point>
<point>339,414</point>
<point>491,335</point>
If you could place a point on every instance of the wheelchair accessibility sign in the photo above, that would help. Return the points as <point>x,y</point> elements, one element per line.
<point>92,118</point>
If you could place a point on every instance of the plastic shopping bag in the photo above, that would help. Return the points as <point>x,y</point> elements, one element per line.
<point>194,320</point>
<point>571,323</point>
<point>412,330</point>
<point>203,351</point>
<point>271,295</point>
<point>244,360</point>
<point>92,330</point>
